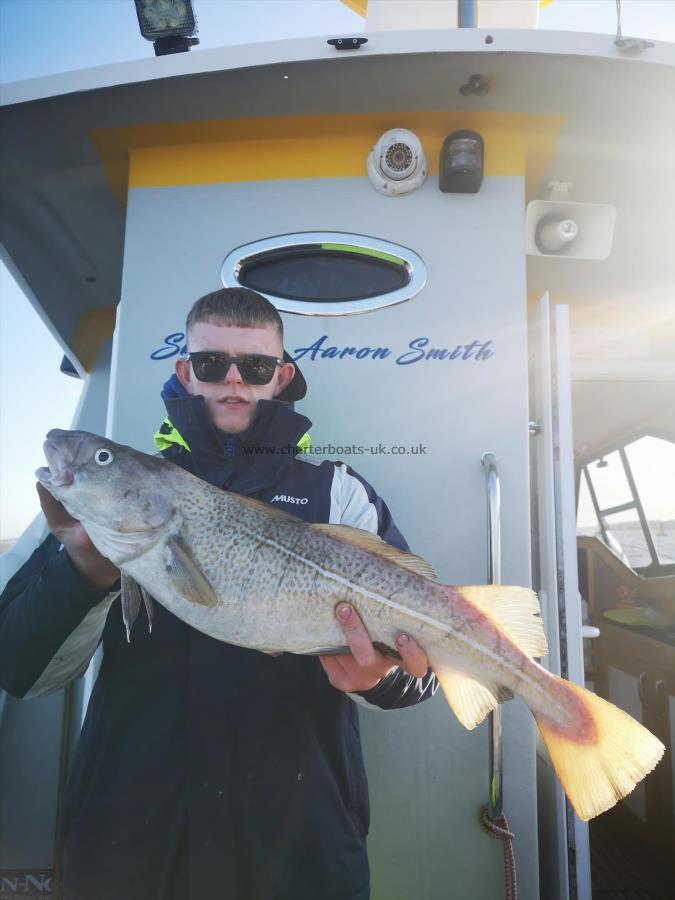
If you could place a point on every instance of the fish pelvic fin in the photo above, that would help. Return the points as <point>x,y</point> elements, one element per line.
<point>131,602</point>
<point>515,610</point>
<point>600,758</point>
<point>149,608</point>
<point>186,574</point>
<point>373,543</point>
<point>470,700</point>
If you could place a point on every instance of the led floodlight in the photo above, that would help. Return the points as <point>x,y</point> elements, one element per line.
<point>168,24</point>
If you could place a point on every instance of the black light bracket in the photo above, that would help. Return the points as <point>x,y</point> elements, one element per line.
<point>174,44</point>
<point>352,43</point>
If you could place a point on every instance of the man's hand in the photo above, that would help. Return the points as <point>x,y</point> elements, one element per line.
<point>365,666</point>
<point>93,567</point>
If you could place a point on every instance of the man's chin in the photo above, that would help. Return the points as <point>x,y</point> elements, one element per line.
<point>232,420</point>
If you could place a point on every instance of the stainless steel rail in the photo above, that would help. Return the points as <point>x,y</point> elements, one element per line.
<point>494,575</point>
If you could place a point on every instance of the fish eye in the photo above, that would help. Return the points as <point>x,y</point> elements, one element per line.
<point>103,457</point>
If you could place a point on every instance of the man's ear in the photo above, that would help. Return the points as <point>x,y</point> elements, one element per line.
<point>183,374</point>
<point>286,375</point>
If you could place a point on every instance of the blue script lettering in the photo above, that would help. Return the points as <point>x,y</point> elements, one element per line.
<point>416,354</point>
<point>173,344</point>
<point>474,350</point>
<point>318,348</point>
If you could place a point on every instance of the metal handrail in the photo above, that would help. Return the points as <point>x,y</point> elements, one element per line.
<point>494,574</point>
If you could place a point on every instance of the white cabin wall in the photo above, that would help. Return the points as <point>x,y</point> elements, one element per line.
<point>428,775</point>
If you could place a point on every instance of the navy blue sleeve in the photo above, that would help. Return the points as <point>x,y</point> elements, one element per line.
<point>42,604</point>
<point>398,689</point>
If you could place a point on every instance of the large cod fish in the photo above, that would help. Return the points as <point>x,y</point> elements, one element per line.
<point>246,573</point>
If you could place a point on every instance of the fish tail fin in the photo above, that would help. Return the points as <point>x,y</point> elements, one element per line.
<point>600,757</point>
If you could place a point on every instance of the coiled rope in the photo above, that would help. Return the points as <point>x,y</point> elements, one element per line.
<point>499,829</point>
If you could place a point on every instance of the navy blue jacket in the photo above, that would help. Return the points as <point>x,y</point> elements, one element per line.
<point>204,769</point>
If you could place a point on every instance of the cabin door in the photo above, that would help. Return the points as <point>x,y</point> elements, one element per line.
<point>563,839</point>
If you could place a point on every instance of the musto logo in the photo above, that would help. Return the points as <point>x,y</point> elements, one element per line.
<point>286,498</point>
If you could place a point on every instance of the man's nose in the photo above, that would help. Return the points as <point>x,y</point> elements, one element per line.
<point>233,373</point>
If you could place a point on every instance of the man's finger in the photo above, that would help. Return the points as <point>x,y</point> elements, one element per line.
<point>54,511</point>
<point>357,637</point>
<point>58,519</point>
<point>414,659</point>
<point>335,672</point>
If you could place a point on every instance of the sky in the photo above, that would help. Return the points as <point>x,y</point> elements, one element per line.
<point>42,37</point>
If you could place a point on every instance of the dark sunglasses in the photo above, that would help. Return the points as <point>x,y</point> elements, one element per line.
<point>255,368</point>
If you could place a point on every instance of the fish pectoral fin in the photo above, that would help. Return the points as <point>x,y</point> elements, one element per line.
<point>344,650</point>
<point>324,651</point>
<point>470,700</point>
<point>374,544</point>
<point>515,610</point>
<point>186,574</point>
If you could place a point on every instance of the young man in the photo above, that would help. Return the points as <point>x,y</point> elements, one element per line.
<point>204,769</point>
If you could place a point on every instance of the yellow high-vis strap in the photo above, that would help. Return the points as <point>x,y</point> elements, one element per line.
<point>168,435</point>
<point>304,443</point>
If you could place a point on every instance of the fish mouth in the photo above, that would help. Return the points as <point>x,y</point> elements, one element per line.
<point>57,474</point>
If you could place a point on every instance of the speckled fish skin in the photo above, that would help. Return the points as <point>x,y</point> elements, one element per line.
<point>277,578</point>
<point>246,573</point>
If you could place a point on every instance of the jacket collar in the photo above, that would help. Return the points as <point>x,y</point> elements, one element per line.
<point>227,460</point>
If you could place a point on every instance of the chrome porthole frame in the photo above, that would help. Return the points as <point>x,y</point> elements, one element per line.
<point>237,259</point>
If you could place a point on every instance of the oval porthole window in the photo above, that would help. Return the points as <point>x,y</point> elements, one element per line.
<point>326,273</point>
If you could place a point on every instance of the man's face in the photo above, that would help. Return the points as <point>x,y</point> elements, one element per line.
<point>232,403</point>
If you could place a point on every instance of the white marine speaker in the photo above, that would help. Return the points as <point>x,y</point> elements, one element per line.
<point>570,230</point>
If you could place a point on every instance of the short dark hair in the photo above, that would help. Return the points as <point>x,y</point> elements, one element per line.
<point>239,306</point>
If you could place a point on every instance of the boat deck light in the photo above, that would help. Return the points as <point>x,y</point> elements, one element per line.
<point>169,24</point>
<point>461,166</point>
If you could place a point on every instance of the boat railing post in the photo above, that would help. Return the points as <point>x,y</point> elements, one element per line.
<point>489,461</point>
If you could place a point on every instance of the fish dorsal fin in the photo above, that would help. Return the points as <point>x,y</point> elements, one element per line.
<point>373,543</point>
<point>515,610</point>
<point>470,700</point>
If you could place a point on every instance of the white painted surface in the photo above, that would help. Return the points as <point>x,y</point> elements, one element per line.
<point>392,15</point>
<point>459,40</point>
<point>553,852</point>
<point>428,775</point>
<point>508,13</point>
<point>623,692</point>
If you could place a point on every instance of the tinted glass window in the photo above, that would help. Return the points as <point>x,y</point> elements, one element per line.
<point>626,530</point>
<point>609,481</point>
<point>652,462</point>
<point>319,274</point>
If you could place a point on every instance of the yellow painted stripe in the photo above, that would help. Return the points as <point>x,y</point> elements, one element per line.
<point>360,7</point>
<point>357,6</point>
<point>259,149</point>
<point>92,330</point>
